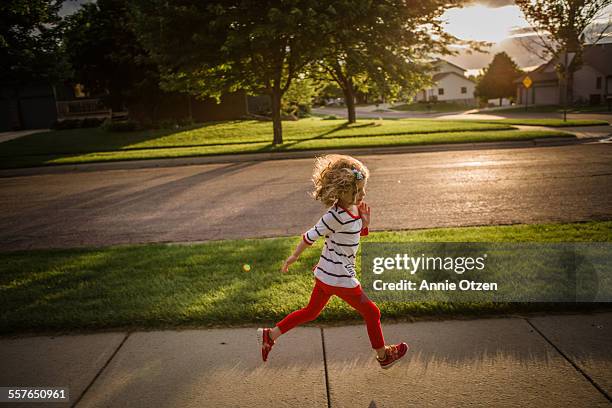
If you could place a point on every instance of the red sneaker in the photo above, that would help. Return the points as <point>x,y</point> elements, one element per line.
<point>394,353</point>
<point>265,341</point>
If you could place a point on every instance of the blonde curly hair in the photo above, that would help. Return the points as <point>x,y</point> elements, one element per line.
<point>333,177</point>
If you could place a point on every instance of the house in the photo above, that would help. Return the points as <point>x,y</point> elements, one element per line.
<point>30,106</point>
<point>592,82</point>
<point>39,105</point>
<point>451,85</point>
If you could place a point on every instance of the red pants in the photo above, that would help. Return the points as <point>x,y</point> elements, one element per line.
<point>353,296</point>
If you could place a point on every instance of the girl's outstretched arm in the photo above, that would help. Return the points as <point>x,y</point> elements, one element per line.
<point>328,223</point>
<point>294,256</point>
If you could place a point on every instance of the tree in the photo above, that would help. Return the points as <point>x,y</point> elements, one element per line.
<point>383,45</point>
<point>258,46</point>
<point>30,49</point>
<point>106,56</point>
<point>297,101</point>
<point>498,78</point>
<point>562,26</point>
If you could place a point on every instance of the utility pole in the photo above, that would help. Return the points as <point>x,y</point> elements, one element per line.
<point>565,87</point>
<point>568,58</point>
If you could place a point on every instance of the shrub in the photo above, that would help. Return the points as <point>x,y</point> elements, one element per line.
<point>186,122</point>
<point>91,122</point>
<point>330,117</point>
<point>167,124</point>
<point>67,124</point>
<point>119,126</point>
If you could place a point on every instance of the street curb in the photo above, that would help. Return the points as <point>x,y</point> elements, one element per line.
<point>247,157</point>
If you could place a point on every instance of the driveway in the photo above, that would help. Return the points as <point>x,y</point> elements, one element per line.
<point>385,113</point>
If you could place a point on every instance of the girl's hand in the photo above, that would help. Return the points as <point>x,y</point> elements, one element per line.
<point>288,262</point>
<point>364,212</point>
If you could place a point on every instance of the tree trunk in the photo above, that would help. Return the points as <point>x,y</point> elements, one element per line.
<point>349,99</point>
<point>500,101</point>
<point>277,125</point>
<point>15,111</point>
<point>189,108</point>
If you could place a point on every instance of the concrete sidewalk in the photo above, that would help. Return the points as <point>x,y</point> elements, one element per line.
<point>6,136</point>
<point>547,361</point>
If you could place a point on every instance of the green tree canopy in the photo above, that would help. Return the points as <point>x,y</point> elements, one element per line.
<point>258,46</point>
<point>384,45</point>
<point>498,77</point>
<point>106,56</point>
<point>29,41</point>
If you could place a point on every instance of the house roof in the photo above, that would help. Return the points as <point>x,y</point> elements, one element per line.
<point>450,63</point>
<point>438,77</point>
<point>538,75</point>
<point>597,56</point>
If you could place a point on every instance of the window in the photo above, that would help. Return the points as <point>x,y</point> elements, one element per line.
<point>598,83</point>
<point>79,91</point>
<point>440,91</point>
<point>463,90</point>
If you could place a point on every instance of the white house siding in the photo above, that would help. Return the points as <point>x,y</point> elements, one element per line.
<point>452,90</point>
<point>546,95</point>
<point>525,96</point>
<point>585,84</point>
<point>444,66</point>
<point>495,102</point>
<point>452,85</point>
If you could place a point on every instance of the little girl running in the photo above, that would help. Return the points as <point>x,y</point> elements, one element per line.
<point>340,183</point>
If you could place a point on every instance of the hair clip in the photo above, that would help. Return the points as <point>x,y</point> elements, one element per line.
<point>358,174</point>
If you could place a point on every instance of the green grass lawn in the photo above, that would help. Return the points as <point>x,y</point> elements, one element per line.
<point>94,145</point>
<point>551,109</point>
<point>432,107</point>
<point>550,122</point>
<point>296,145</point>
<point>163,286</point>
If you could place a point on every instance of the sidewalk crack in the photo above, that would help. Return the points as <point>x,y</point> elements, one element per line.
<point>576,366</point>
<point>100,371</point>
<point>326,371</point>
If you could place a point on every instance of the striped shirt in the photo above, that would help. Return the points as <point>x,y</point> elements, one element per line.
<point>342,230</point>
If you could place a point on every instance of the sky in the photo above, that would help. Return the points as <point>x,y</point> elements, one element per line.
<point>483,23</point>
<point>500,22</point>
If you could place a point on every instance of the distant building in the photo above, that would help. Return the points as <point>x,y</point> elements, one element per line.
<point>451,85</point>
<point>499,102</point>
<point>592,82</point>
<point>40,105</point>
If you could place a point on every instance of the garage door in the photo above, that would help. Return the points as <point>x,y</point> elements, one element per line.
<point>546,95</point>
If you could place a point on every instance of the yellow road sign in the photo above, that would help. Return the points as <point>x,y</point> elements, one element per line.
<point>527,82</point>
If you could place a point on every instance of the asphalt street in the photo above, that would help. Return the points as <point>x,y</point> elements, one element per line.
<point>265,199</point>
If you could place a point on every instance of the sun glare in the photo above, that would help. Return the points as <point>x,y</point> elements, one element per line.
<point>483,23</point>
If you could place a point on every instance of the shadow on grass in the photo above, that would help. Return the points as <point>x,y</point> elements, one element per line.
<point>148,285</point>
<point>161,286</point>
<point>95,140</point>
<point>41,149</point>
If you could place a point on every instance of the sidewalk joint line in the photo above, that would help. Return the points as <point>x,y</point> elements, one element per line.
<point>576,367</point>
<point>100,371</point>
<point>325,366</point>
